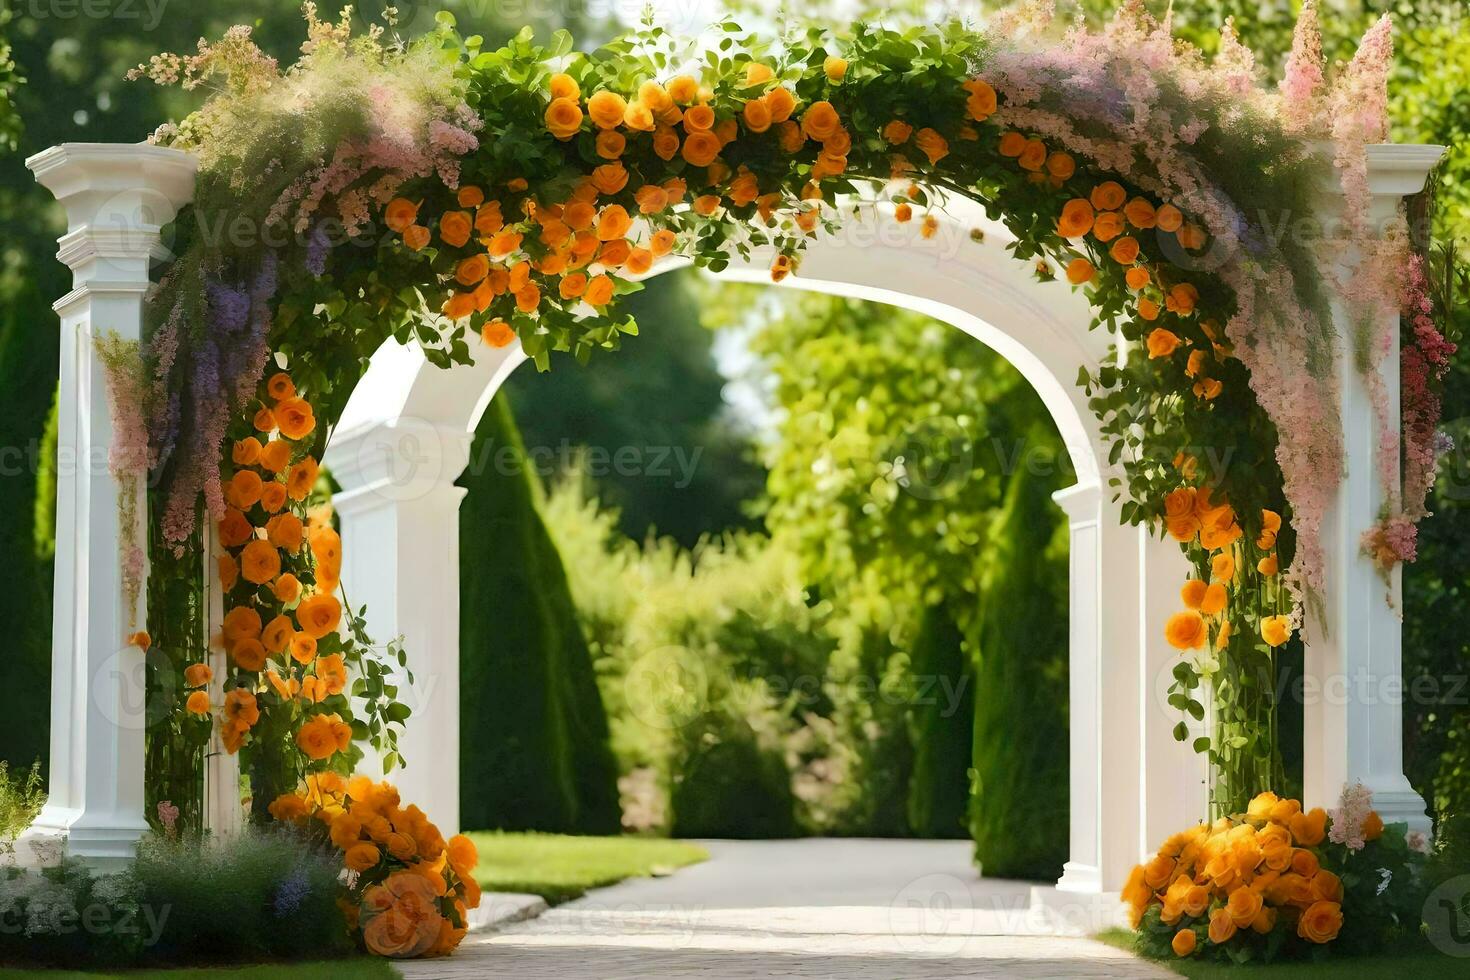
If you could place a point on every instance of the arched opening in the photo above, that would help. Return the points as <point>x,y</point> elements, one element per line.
<point>405,436</point>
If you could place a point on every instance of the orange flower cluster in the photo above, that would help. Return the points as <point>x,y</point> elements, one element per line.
<point>1256,874</point>
<point>273,628</point>
<point>1192,517</point>
<point>412,890</point>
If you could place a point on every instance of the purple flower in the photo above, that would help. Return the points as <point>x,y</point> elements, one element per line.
<point>317,248</point>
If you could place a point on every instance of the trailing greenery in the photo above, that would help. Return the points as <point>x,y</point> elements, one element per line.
<point>533,732</point>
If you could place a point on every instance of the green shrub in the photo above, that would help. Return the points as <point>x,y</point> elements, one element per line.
<point>1019,810</point>
<point>942,723</point>
<point>534,751</point>
<point>731,779</point>
<point>21,797</point>
<point>256,896</point>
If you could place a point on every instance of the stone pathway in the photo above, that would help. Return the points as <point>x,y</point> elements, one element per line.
<point>852,909</point>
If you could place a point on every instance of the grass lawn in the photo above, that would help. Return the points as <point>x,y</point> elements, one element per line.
<point>561,868</point>
<point>1422,962</point>
<point>357,969</point>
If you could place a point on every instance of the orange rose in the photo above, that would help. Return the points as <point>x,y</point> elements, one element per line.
<point>1309,828</point>
<point>707,204</point>
<point>897,132</point>
<point>1183,942</point>
<point>488,219</point>
<point>820,120</point>
<point>1140,213</point>
<point>640,260</point>
<point>260,562</point>
<point>563,118</point>
<point>248,655</point>
<point>663,242</point>
<point>610,178</point>
<point>502,243</point>
<point>684,89</point>
<point>1012,144</point>
<point>1080,271</point>
<point>1033,156</point>
<point>497,333</point>
<point>277,634</point>
<point>1137,277</point>
<point>1275,630</point>
<point>319,615</point>
<point>614,253</point>
<point>399,214</point>
<point>197,675</point>
<point>301,479</point>
<point>361,857</point>
<point>700,148</point>
<point>1061,165</point>
<point>287,588</point>
<point>1076,219</point>
<point>1107,226</point>
<point>273,496</point>
<point>1320,923</point>
<point>607,109</point>
<point>243,490</point>
<point>1214,600</point>
<point>455,228</point>
<point>1186,630</point>
<point>471,270</point>
<point>613,222</point>
<point>1168,218</point>
<point>933,146</point>
<point>246,451</point>
<point>599,291</point>
<point>240,623</point>
<point>639,117</point>
<point>416,237</point>
<point>1108,196</point>
<point>1193,593</point>
<point>197,703</point>
<point>294,418</point>
<point>303,647</point>
<point>611,144</point>
<point>1162,343</point>
<point>323,736</point>
<point>757,115</point>
<point>564,86</point>
<point>528,298</point>
<point>1124,250</point>
<point>781,104</point>
<point>1222,926</point>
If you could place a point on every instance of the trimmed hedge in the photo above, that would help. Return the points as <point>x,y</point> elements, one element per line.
<point>942,724</point>
<point>534,751</point>
<point>1019,805</point>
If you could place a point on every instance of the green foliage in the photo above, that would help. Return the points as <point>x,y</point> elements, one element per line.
<point>942,727</point>
<point>657,437</point>
<point>28,358</point>
<point>1019,809</point>
<point>254,896</point>
<point>250,897</point>
<point>730,778</point>
<point>533,732</point>
<point>21,797</point>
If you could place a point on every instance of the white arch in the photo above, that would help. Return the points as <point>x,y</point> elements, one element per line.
<point>404,437</point>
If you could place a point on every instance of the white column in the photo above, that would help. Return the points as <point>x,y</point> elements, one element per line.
<point>1106,693</point>
<point>399,511</point>
<point>1354,687</point>
<point>117,199</point>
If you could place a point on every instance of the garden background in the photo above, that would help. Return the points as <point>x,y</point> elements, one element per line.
<point>818,599</point>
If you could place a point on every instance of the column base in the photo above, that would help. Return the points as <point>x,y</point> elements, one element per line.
<point>1077,913</point>
<point>1398,803</point>
<point>102,845</point>
<point>1080,879</point>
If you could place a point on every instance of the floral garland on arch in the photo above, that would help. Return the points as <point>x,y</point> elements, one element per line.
<point>440,192</point>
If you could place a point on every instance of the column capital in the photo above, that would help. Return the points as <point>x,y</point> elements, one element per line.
<point>1394,169</point>
<point>118,199</point>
